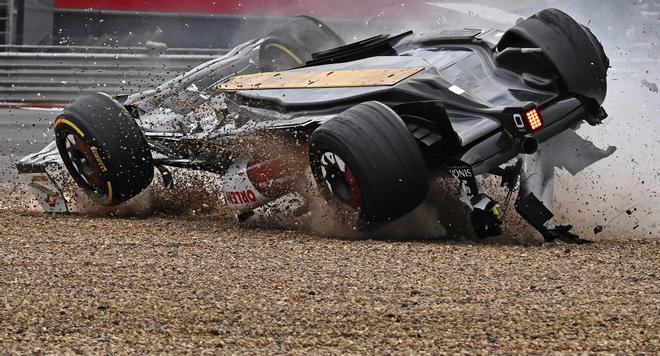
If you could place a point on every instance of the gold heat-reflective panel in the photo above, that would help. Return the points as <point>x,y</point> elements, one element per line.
<point>319,79</point>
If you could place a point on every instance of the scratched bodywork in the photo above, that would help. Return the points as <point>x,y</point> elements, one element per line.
<point>465,96</point>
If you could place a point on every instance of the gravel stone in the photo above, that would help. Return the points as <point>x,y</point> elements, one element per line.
<point>173,284</point>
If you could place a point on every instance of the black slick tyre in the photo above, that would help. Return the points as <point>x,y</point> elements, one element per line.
<point>571,48</point>
<point>293,44</point>
<point>103,149</point>
<point>366,158</point>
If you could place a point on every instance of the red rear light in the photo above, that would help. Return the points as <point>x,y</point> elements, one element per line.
<point>533,120</point>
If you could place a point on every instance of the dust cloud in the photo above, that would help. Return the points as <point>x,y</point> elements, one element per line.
<point>620,194</point>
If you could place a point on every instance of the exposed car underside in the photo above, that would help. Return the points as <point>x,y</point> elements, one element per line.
<point>470,102</point>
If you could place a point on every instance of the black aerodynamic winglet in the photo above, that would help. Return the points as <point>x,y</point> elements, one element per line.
<point>381,45</point>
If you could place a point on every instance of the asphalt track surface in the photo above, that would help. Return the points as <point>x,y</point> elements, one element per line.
<point>22,131</point>
<point>197,281</point>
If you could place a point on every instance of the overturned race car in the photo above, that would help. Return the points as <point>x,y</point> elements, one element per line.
<point>374,122</point>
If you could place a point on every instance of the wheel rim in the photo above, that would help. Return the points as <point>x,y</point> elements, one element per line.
<point>278,57</point>
<point>84,166</point>
<point>340,180</point>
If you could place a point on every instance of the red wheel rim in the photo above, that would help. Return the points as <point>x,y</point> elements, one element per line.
<point>340,180</point>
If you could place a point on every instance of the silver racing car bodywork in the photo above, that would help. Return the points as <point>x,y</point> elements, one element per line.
<point>459,93</point>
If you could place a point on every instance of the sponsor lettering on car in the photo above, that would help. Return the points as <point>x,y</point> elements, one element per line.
<point>241,197</point>
<point>460,172</point>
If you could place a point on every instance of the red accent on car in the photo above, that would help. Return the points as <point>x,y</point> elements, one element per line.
<point>356,196</point>
<point>96,179</point>
<point>242,197</point>
<point>278,176</point>
<point>50,200</point>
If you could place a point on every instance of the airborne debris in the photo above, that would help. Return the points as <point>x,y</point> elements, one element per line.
<point>155,48</point>
<point>652,86</point>
<point>257,154</point>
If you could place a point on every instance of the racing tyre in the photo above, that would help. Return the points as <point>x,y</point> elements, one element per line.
<point>569,49</point>
<point>103,149</point>
<point>367,159</point>
<point>292,45</point>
